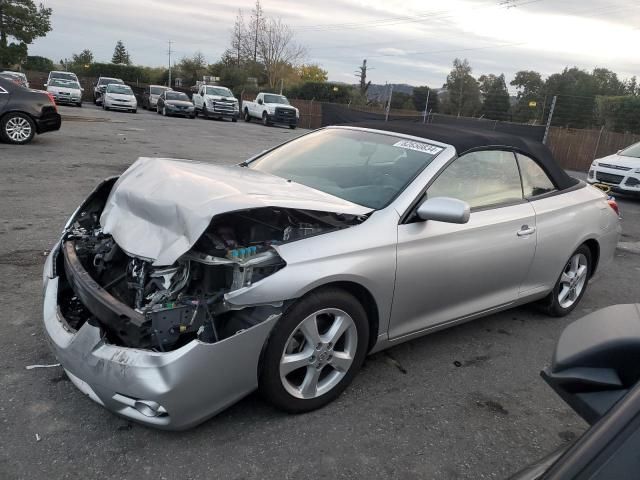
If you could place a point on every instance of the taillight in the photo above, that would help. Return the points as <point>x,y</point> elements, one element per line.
<point>52,100</point>
<point>614,205</point>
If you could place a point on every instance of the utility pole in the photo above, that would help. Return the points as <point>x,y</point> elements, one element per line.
<point>546,131</point>
<point>170,43</point>
<point>426,107</point>
<point>460,98</point>
<point>386,117</point>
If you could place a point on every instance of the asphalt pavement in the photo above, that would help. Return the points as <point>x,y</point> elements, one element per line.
<point>464,403</point>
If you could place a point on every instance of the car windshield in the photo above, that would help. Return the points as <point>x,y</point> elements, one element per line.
<point>157,90</point>
<point>276,99</point>
<point>222,91</point>
<point>366,168</point>
<point>58,82</point>
<point>107,81</point>
<point>63,75</point>
<point>177,96</point>
<point>632,151</point>
<point>121,89</point>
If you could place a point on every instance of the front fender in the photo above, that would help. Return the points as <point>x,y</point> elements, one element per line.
<point>364,254</point>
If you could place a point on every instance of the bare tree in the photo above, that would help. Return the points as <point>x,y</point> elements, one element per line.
<point>238,37</point>
<point>277,49</point>
<point>257,27</point>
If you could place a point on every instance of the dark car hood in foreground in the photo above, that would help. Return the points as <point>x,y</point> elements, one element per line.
<point>160,207</point>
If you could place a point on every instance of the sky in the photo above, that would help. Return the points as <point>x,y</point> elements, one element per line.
<point>404,41</point>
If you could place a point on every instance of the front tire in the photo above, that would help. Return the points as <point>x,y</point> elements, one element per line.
<point>17,128</point>
<point>265,119</point>
<point>570,287</point>
<point>164,111</point>
<point>314,351</point>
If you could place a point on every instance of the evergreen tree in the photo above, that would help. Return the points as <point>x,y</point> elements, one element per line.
<point>120,54</point>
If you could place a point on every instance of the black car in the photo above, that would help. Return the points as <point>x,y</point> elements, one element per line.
<point>175,103</point>
<point>24,112</point>
<point>596,371</point>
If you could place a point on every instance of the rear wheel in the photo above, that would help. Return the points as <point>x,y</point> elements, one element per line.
<point>314,351</point>
<point>571,285</point>
<point>292,127</point>
<point>246,116</point>
<point>17,128</point>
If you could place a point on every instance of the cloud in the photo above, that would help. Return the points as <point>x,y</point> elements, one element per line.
<point>405,41</point>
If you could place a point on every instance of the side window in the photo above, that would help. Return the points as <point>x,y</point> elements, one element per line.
<point>534,181</point>
<point>482,179</point>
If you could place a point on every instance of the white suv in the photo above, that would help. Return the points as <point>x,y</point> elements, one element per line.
<point>620,171</point>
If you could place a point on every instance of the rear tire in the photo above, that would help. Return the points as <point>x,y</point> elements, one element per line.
<point>17,128</point>
<point>246,116</point>
<point>292,127</point>
<point>327,361</point>
<point>571,285</point>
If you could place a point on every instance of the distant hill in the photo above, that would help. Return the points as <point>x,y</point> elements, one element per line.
<point>380,93</point>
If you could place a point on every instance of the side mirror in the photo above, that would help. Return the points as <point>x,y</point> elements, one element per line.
<point>597,360</point>
<point>444,209</point>
<point>260,102</point>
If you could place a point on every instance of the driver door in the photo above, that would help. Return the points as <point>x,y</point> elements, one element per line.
<point>446,272</point>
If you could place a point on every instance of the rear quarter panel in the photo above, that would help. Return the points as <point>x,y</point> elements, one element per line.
<point>563,223</point>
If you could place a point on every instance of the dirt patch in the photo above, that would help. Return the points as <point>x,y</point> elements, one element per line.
<point>23,258</point>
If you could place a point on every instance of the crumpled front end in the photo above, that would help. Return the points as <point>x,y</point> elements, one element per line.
<point>158,343</point>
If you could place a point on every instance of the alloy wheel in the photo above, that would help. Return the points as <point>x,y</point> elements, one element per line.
<point>573,280</point>
<point>18,129</point>
<point>318,353</point>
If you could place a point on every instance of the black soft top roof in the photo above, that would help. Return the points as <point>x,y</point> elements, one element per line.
<point>466,139</point>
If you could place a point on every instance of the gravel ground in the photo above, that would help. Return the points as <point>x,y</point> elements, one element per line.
<point>462,403</point>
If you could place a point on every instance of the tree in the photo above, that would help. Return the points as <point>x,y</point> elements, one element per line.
<point>256,28</point>
<point>38,64</point>
<point>401,100</point>
<point>496,101</point>
<point>192,68</point>
<point>22,21</point>
<point>83,58</point>
<point>463,93</point>
<point>120,54</point>
<point>530,88</point>
<point>238,37</point>
<point>277,49</point>
<point>312,73</point>
<point>606,82</point>
<point>362,75</point>
<point>419,99</point>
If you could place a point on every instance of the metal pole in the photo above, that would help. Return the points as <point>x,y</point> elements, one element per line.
<point>595,151</point>
<point>170,42</point>
<point>546,131</point>
<point>426,107</point>
<point>386,117</point>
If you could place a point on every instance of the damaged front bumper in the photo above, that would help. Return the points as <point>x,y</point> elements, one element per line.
<point>170,390</point>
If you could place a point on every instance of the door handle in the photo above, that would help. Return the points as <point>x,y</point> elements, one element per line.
<point>526,230</point>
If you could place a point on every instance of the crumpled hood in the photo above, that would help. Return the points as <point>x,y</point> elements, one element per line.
<point>160,207</point>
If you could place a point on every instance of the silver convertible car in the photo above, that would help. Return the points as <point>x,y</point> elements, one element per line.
<point>180,287</point>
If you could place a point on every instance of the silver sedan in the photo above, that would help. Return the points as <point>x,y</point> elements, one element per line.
<point>180,287</point>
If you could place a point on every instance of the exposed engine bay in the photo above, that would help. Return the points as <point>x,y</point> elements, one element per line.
<point>164,307</point>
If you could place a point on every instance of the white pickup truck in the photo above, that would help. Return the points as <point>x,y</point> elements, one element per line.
<point>271,108</point>
<point>212,101</point>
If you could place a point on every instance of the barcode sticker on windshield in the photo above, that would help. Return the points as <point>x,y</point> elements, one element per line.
<point>419,147</point>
